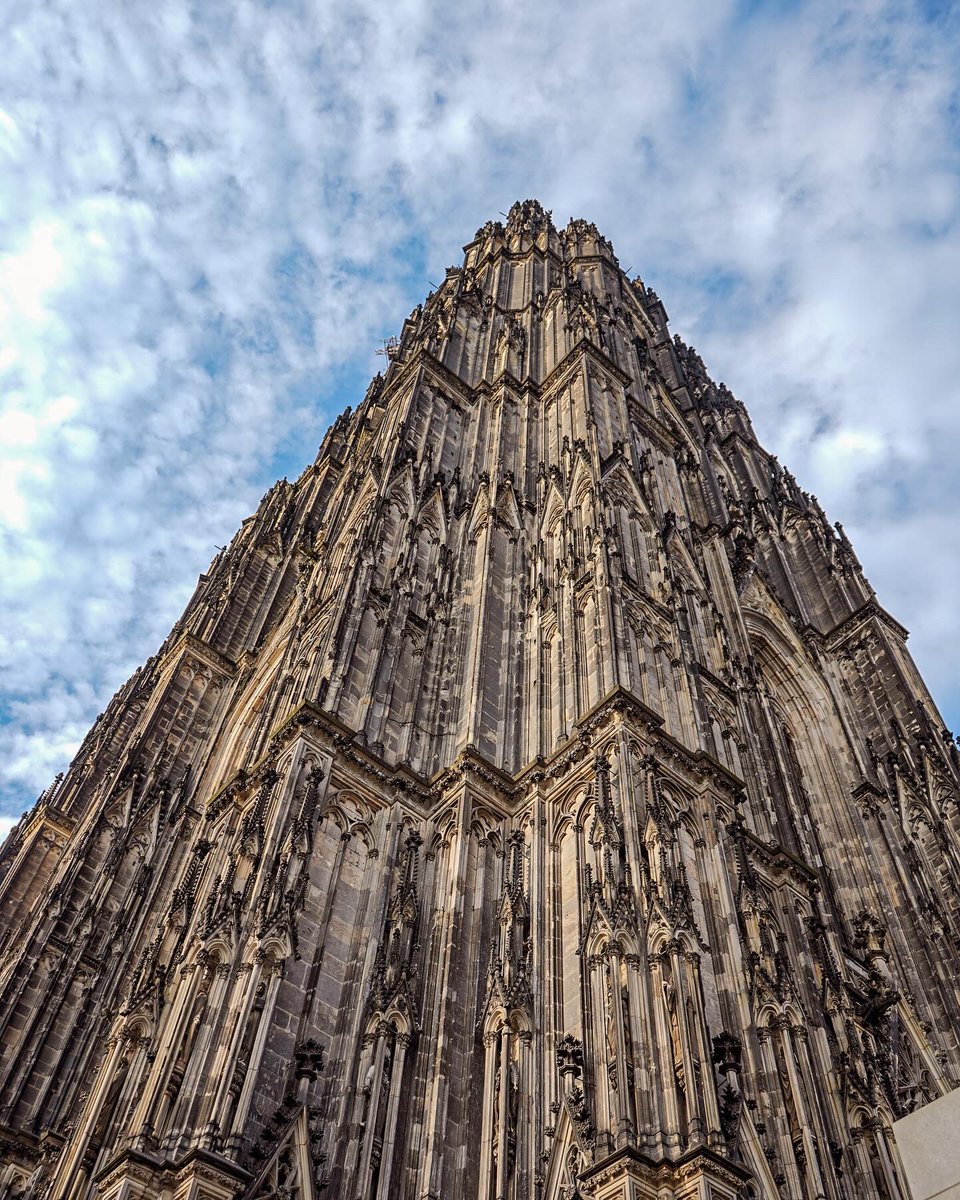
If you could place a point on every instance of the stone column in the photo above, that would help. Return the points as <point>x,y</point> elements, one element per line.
<point>370,1124</point>
<point>393,1110</point>
<point>491,1042</point>
<point>69,1168</point>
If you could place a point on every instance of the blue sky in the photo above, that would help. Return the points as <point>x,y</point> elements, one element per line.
<point>210,214</point>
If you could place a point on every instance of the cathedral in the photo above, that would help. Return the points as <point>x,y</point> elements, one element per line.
<point>534,802</point>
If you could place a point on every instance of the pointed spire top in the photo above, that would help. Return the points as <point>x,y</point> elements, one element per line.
<point>606,833</point>
<point>528,216</point>
<point>515,874</point>
<point>412,844</point>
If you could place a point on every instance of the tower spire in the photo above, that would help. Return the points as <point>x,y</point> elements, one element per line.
<point>541,766</point>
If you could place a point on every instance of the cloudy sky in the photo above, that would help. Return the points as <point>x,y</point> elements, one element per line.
<point>211,212</point>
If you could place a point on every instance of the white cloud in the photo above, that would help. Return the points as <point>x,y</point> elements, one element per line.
<point>204,210</point>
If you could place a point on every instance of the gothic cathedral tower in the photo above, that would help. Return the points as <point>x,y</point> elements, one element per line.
<point>533,802</point>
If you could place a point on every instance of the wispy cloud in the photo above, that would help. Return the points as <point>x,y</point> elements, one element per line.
<point>209,213</point>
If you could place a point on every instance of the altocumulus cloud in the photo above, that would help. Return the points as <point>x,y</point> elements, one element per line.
<point>209,214</point>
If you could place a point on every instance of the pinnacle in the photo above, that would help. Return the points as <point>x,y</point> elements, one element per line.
<point>530,218</point>
<point>532,211</point>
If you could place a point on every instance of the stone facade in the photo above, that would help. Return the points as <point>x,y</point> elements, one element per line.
<point>533,801</point>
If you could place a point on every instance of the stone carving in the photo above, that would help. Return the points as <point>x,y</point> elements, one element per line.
<point>395,964</point>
